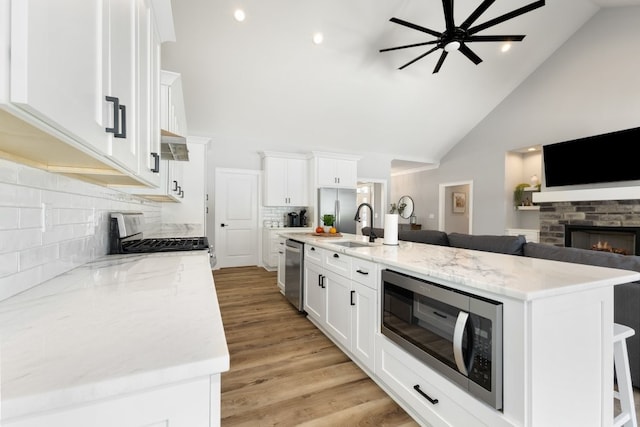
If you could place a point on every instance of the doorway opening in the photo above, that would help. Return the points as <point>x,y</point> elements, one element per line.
<point>374,192</point>
<point>455,206</point>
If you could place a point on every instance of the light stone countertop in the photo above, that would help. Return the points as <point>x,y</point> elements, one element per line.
<point>121,324</point>
<point>518,277</point>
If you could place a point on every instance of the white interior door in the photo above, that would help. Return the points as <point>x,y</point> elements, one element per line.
<point>236,217</point>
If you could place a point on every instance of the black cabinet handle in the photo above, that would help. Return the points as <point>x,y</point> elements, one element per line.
<point>116,114</point>
<point>223,225</point>
<point>312,248</point>
<point>336,256</point>
<point>423,394</point>
<point>156,163</point>
<point>322,282</point>
<point>175,186</point>
<point>352,295</point>
<point>362,272</point>
<point>181,194</point>
<point>123,122</point>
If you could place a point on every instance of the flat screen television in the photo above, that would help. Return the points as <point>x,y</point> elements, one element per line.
<point>609,157</point>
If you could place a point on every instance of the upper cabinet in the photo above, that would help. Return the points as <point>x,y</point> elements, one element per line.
<point>81,92</point>
<point>334,170</point>
<point>285,179</point>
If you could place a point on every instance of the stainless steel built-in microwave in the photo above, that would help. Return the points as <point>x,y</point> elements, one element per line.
<point>453,332</point>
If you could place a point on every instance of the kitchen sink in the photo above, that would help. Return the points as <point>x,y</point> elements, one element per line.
<point>351,244</point>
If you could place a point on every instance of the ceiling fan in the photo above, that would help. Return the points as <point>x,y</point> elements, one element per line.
<point>456,37</point>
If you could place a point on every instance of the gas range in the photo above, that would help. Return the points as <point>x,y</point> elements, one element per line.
<point>125,237</point>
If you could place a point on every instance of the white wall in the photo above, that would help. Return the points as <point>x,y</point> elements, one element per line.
<point>76,224</point>
<point>589,86</point>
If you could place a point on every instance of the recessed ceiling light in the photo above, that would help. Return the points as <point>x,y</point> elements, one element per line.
<point>318,38</point>
<point>239,15</point>
<point>531,149</point>
<point>505,47</point>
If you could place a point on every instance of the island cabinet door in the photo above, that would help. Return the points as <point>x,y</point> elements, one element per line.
<point>338,321</point>
<point>314,291</point>
<point>183,405</point>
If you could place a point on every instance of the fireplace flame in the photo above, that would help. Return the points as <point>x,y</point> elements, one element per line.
<point>606,247</point>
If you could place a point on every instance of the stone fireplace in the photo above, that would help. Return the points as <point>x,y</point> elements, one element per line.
<point>584,223</point>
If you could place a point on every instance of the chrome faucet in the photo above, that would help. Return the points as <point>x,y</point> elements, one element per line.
<point>372,235</point>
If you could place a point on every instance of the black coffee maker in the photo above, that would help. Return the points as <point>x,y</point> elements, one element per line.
<point>303,218</point>
<point>293,219</point>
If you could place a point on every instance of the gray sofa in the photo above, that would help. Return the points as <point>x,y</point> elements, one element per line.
<point>626,296</point>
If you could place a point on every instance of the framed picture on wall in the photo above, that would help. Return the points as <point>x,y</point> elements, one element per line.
<point>459,202</point>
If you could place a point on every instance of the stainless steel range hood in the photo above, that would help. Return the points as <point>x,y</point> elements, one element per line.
<point>173,147</point>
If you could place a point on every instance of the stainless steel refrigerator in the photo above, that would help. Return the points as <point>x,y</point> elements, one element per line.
<point>341,202</point>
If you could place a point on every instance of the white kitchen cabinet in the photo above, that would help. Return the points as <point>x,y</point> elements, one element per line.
<point>271,247</point>
<point>336,172</point>
<point>285,180</point>
<point>189,184</point>
<point>404,374</point>
<point>173,116</point>
<point>282,265</point>
<point>343,308</point>
<point>72,71</point>
<point>315,296</point>
<point>148,95</point>
<point>180,405</point>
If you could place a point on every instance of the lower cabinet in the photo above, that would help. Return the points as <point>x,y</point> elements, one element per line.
<point>343,308</point>
<point>282,263</point>
<point>423,400</point>
<point>187,404</point>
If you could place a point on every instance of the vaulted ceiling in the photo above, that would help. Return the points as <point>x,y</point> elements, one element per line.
<point>263,82</point>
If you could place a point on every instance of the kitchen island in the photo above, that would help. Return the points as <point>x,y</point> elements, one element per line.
<point>557,347</point>
<point>127,340</point>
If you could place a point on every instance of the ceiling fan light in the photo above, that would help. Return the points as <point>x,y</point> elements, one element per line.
<point>452,45</point>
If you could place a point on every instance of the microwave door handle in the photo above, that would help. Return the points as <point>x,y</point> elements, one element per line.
<point>458,335</point>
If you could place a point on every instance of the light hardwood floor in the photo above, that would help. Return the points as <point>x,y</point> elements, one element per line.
<point>284,371</point>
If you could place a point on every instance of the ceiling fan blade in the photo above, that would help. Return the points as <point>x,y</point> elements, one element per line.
<point>415,27</point>
<point>409,45</point>
<point>506,16</point>
<point>440,61</point>
<point>447,6</point>
<point>469,54</point>
<point>419,57</point>
<point>476,14</point>
<point>494,38</point>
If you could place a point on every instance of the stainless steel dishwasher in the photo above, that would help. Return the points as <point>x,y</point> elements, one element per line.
<point>294,273</point>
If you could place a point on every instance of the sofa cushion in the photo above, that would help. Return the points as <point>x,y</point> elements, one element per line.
<point>582,256</point>
<point>510,245</point>
<point>431,237</point>
<point>378,231</point>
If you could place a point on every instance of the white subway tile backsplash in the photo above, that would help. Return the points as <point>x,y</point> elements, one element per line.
<point>41,255</point>
<point>21,281</point>
<point>8,264</point>
<point>76,224</point>
<point>31,218</point>
<point>9,172</point>
<point>15,195</point>
<point>9,218</point>
<point>17,240</point>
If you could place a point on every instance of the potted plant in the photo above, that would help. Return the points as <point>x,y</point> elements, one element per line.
<point>328,220</point>
<point>518,194</point>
